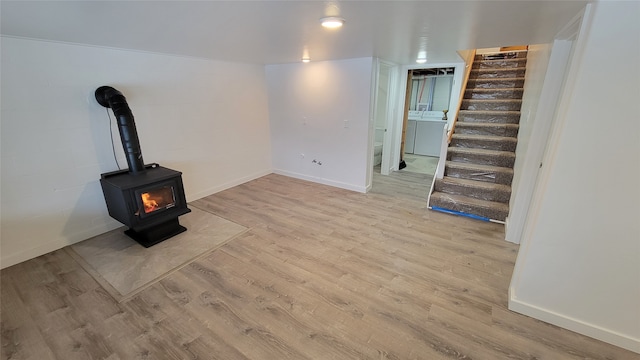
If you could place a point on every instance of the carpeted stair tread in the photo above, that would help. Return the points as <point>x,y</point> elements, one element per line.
<point>489,112</point>
<point>497,70</point>
<point>494,93</point>
<point>493,101</point>
<point>473,183</point>
<point>498,89</point>
<point>493,73</point>
<point>501,56</point>
<point>489,83</point>
<point>500,60</point>
<point>487,125</point>
<point>483,137</point>
<point>480,128</point>
<point>475,189</point>
<point>478,167</point>
<point>489,116</point>
<point>491,104</point>
<point>482,151</point>
<point>489,209</point>
<point>482,156</point>
<point>478,172</point>
<point>497,80</point>
<point>504,143</point>
<point>499,63</point>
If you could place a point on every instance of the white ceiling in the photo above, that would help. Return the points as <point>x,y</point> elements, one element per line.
<point>268,32</point>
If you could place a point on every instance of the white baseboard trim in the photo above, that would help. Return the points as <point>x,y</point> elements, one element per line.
<point>576,325</point>
<point>507,232</point>
<point>59,243</point>
<point>228,185</point>
<point>338,184</point>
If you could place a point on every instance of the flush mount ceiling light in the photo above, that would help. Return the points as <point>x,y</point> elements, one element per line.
<point>422,57</point>
<point>305,55</point>
<point>332,22</point>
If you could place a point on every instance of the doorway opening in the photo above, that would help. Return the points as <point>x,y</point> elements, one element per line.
<point>427,102</point>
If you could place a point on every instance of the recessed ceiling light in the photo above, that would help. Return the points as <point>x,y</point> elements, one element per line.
<point>421,61</point>
<point>305,59</point>
<point>332,22</point>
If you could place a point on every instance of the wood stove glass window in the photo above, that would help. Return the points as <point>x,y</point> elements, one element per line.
<point>156,199</point>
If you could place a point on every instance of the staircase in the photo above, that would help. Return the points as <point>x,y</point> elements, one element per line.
<point>480,157</point>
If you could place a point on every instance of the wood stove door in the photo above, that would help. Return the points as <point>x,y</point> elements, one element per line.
<point>155,199</point>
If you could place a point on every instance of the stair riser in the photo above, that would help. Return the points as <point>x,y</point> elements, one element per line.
<point>495,105</point>
<point>478,193</point>
<point>482,159</point>
<point>496,73</point>
<point>484,144</point>
<point>485,130</point>
<point>499,64</point>
<point>493,94</point>
<point>494,177</point>
<point>489,118</point>
<point>470,209</point>
<point>494,83</point>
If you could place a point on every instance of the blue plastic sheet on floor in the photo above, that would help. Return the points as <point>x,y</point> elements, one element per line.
<point>460,213</point>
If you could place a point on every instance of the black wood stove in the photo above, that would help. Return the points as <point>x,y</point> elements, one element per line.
<point>146,198</point>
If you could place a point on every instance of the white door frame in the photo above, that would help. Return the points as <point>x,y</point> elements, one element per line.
<point>391,89</point>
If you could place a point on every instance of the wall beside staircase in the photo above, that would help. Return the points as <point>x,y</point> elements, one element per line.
<point>537,64</point>
<point>537,61</point>
<point>578,263</point>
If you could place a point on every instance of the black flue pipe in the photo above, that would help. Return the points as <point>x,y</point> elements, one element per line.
<point>112,98</point>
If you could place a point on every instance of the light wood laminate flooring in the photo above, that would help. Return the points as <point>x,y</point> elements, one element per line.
<point>322,273</point>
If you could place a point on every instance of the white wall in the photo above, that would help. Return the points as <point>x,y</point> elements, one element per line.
<point>537,62</point>
<point>207,119</point>
<point>321,110</point>
<point>578,264</point>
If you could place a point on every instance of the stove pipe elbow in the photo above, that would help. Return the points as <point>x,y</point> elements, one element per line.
<point>112,98</point>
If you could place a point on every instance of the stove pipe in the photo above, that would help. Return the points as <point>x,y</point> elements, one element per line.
<point>112,98</point>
